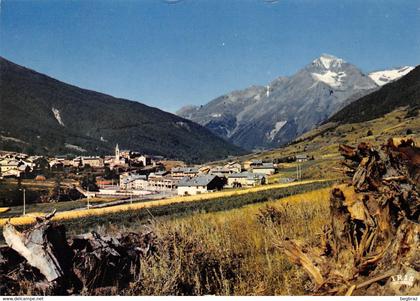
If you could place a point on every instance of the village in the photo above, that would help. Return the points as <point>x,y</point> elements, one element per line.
<point>132,176</point>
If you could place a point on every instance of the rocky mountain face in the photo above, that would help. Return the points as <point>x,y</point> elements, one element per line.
<point>404,92</point>
<point>384,77</point>
<point>39,114</point>
<point>264,117</point>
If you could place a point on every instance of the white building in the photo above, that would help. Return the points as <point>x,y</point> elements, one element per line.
<point>199,184</point>
<point>129,181</point>
<point>93,161</point>
<point>246,179</point>
<point>302,158</point>
<point>11,167</point>
<point>182,172</point>
<point>264,168</point>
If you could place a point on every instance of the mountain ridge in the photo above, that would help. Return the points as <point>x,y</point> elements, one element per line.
<point>400,93</point>
<point>383,77</point>
<point>47,114</point>
<point>289,106</point>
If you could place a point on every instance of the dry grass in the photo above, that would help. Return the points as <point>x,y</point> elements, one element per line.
<point>234,252</point>
<point>75,214</point>
<point>4,209</point>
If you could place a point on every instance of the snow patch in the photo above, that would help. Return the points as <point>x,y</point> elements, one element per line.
<point>277,128</point>
<point>332,79</point>
<point>328,61</point>
<point>386,76</point>
<point>103,139</point>
<point>183,125</point>
<point>57,116</point>
<point>216,115</point>
<point>6,138</point>
<point>75,147</point>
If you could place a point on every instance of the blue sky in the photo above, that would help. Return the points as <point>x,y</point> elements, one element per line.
<point>170,55</point>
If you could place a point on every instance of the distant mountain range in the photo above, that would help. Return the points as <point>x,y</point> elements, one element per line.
<point>39,114</point>
<point>404,92</point>
<point>386,76</point>
<point>264,117</point>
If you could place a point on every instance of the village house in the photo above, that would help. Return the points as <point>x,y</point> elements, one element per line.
<point>130,181</point>
<point>246,179</point>
<point>144,160</point>
<point>199,184</point>
<point>264,168</point>
<point>234,167</point>
<point>302,158</point>
<point>160,173</point>
<point>223,171</point>
<point>123,153</point>
<point>57,161</point>
<point>166,183</point>
<point>251,163</point>
<point>108,160</point>
<point>220,171</point>
<point>182,172</point>
<point>159,181</point>
<point>76,162</point>
<point>11,167</point>
<point>94,161</point>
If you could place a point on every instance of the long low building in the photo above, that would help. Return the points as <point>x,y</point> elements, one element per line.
<point>246,179</point>
<point>199,184</point>
<point>181,172</point>
<point>264,168</point>
<point>162,183</point>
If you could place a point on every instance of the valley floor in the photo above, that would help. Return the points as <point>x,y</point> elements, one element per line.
<point>77,209</point>
<point>224,245</point>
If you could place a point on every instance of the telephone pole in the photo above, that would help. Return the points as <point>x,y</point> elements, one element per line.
<point>24,201</point>
<point>88,204</point>
<point>298,171</point>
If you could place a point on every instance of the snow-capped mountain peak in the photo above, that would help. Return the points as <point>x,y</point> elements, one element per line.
<point>384,77</point>
<point>270,116</point>
<point>328,61</point>
<point>332,79</point>
<point>337,73</point>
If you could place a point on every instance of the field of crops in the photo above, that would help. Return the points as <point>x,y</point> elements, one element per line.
<point>84,213</point>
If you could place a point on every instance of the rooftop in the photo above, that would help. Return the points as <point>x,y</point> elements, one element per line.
<point>247,175</point>
<point>197,181</point>
<point>184,169</point>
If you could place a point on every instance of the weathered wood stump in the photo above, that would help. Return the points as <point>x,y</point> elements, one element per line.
<point>42,261</point>
<point>372,239</point>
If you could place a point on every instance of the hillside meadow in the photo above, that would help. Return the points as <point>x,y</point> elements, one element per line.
<point>322,142</point>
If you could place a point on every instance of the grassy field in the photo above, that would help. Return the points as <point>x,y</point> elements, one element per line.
<point>223,245</point>
<point>130,209</point>
<point>42,208</point>
<point>230,252</point>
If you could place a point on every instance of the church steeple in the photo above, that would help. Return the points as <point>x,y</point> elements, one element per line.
<point>117,153</point>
